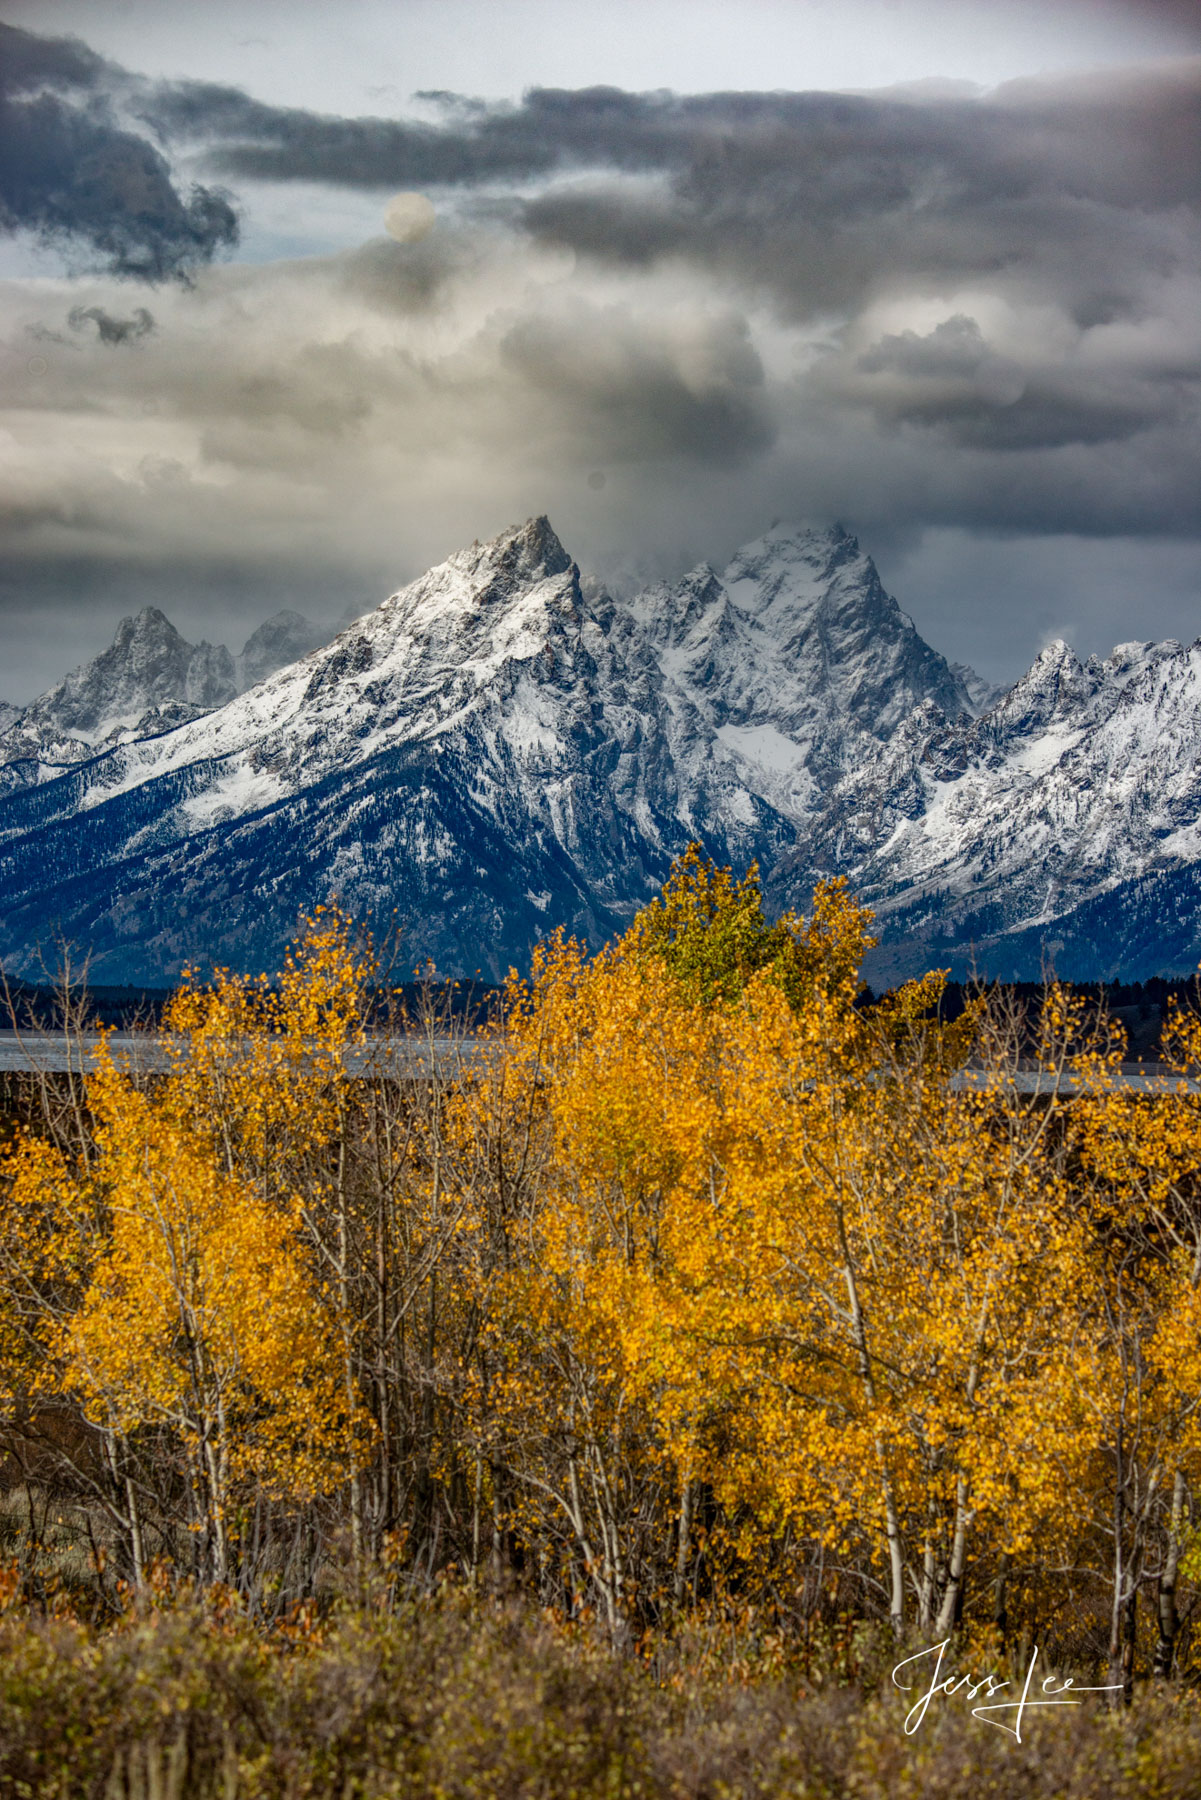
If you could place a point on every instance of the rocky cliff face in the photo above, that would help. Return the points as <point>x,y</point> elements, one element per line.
<point>981,842</point>
<point>149,679</point>
<point>486,755</point>
<point>795,661</point>
<point>498,749</point>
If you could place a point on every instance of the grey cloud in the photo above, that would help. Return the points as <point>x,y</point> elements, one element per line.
<point>110,329</point>
<point>951,380</point>
<point>1050,414</point>
<point>817,196</point>
<point>637,389</point>
<point>1078,196</point>
<point>827,238</point>
<point>1182,14</point>
<point>31,62</point>
<point>616,225</point>
<point>76,178</point>
<point>401,278</point>
<point>252,140</point>
<point>1117,139</point>
<point>956,348</point>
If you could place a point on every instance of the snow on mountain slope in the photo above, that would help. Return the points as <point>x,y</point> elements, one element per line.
<point>496,750</point>
<point>486,726</point>
<point>983,840</point>
<point>149,679</point>
<point>796,659</point>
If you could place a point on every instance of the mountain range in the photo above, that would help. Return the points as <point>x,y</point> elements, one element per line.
<point>148,680</point>
<point>501,747</point>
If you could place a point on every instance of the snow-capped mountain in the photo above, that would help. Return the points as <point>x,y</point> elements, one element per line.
<point>499,748</point>
<point>1063,827</point>
<point>795,660</point>
<point>149,680</point>
<point>282,639</point>
<point>488,754</point>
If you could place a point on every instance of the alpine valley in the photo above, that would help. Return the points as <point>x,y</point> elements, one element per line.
<point>502,747</point>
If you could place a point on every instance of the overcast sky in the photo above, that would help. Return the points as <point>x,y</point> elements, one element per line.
<point>664,271</point>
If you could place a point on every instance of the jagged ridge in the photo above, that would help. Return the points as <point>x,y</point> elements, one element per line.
<point>497,749</point>
<point>490,752</point>
<point>992,843</point>
<point>148,681</point>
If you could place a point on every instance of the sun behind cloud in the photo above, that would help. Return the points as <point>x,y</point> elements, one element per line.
<point>408,217</point>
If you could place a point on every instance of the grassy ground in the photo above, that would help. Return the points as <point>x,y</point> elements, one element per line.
<point>446,1700</point>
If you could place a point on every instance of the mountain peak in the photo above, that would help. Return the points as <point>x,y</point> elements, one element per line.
<point>804,567</point>
<point>793,531</point>
<point>151,618</point>
<point>1058,653</point>
<point>282,639</point>
<point>529,552</point>
<point>1056,669</point>
<point>282,621</point>
<point>1130,658</point>
<point>148,679</point>
<point>493,749</point>
<point>1052,688</point>
<point>148,627</point>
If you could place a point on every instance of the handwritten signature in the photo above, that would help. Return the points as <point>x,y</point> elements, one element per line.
<point>972,1685</point>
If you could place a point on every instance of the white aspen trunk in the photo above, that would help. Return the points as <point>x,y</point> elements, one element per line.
<point>1168,1616</point>
<point>136,1546</point>
<point>896,1554</point>
<point>949,1610</point>
<point>683,1543</point>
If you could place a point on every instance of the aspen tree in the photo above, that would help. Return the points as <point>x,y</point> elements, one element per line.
<point>199,1307</point>
<point>1144,1375</point>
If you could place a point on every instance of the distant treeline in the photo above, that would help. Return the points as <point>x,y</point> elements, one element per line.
<point>1141,1007</point>
<point>28,1006</point>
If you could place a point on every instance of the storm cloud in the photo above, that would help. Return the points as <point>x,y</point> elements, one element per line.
<point>1074,203</point>
<point>663,319</point>
<point>819,196</point>
<point>73,176</point>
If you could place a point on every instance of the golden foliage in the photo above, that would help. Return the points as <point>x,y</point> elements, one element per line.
<point>697,1275</point>
<point>165,1277</point>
